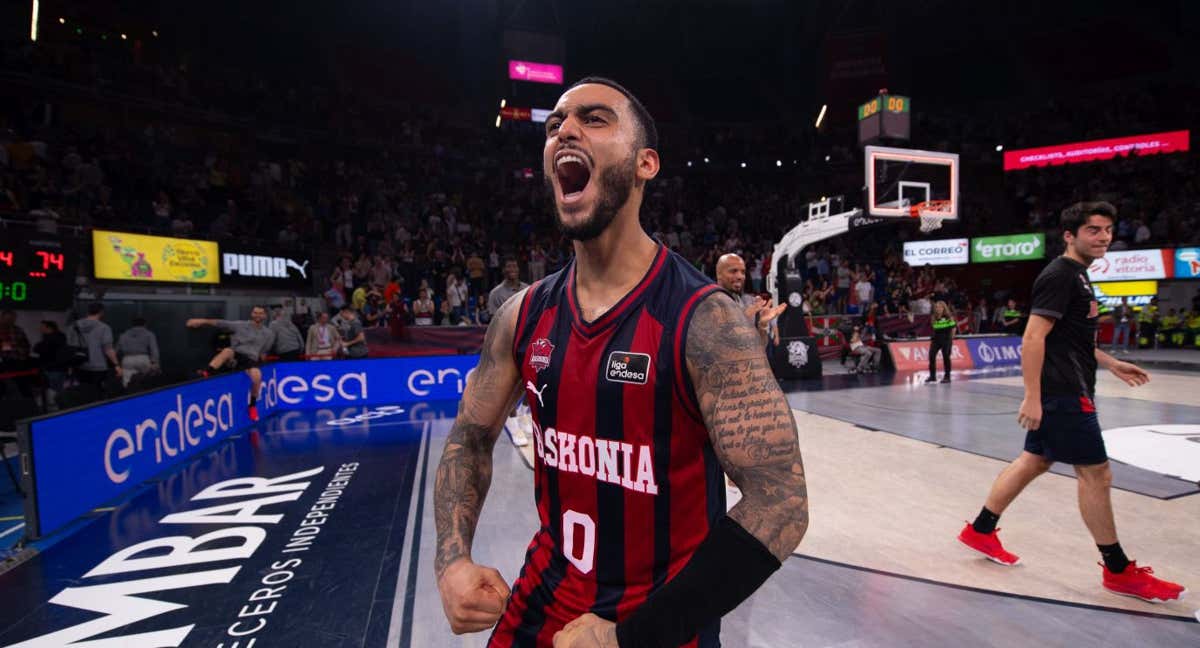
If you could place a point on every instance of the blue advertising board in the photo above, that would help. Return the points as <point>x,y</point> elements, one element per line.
<point>995,351</point>
<point>1187,263</point>
<point>84,458</point>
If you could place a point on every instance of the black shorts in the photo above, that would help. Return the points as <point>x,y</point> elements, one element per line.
<point>242,361</point>
<point>1069,433</point>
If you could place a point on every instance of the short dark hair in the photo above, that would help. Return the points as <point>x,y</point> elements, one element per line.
<point>95,307</point>
<point>139,321</point>
<point>1076,215</point>
<point>510,259</point>
<point>649,131</point>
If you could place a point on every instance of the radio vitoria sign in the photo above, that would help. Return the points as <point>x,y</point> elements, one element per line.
<point>1018,247</point>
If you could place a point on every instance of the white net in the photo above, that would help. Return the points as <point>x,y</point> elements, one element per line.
<point>932,214</point>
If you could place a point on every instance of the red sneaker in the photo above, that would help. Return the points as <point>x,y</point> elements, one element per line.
<point>987,544</point>
<point>253,411</point>
<point>1139,583</point>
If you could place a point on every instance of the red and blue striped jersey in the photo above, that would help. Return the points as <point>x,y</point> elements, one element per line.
<point>626,481</point>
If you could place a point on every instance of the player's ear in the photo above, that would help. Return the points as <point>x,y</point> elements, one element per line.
<point>647,164</point>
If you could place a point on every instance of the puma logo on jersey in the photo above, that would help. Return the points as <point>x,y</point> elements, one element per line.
<point>530,386</point>
<point>606,460</point>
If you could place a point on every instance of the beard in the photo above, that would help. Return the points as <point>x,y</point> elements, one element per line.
<point>615,185</point>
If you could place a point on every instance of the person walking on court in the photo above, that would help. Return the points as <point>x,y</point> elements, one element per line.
<point>645,381</point>
<point>248,346</point>
<point>138,350</point>
<point>943,340</point>
<point>1058,363</point>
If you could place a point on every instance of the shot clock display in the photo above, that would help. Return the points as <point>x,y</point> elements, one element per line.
<point>37,271</point>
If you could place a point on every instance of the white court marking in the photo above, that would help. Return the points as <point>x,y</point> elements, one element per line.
<point>13,530</point>
<point>1165,449</point>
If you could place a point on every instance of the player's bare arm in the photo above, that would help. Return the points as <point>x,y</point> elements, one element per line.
<point>750,424</point>
<point>473,596</point>
<point>1131,374</point>
<point>1033,357</point>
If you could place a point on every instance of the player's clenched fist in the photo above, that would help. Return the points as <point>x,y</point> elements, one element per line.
<point>473,596</point>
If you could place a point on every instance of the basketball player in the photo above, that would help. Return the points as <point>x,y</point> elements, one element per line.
<point>645,382</point>
<point>1059,362</point>
<point>731,276</point>
<point>247,349</point>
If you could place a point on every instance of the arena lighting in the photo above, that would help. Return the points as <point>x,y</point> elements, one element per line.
<point>743,165</point>
<point>503,102</point>
<point>706,160</point>
<point>33,22</point>
<point>497,121</point>
<point>821,117</point>
<point>689,163</point>
<point>124,37</point>
<point>778,163</point>
<point>62,21</point>
<point>999,147</point>
<point>827,158</point>
<point>154,32</point>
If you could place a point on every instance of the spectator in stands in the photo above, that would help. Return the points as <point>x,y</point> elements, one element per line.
<point>249,342</point>
<point>289,345</point>
<point>476,273</point>
<point>324,341</point>
<point>493,263</point>
<point>381,271</point>
<point>50,356</point>
<point>358,298</point>
<point>138,350</point>
<point>456,296</point>
<point>445,315</point>
<point>512,285</point>
<point>537,262</point>
<point>1122,319</point>
<point>868,356</point>
<point>373,312</point>
<point>864,290</point>
<point>979,317</point>
<point>14,352</point>
<point>423,309</point>
<point>731,277</point>
<point>1012,318</point>
<point>97,337</point>
<point>482,315</point>
<point>354,337</point>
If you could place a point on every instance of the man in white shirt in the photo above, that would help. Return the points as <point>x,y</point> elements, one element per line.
<point>865,292</point>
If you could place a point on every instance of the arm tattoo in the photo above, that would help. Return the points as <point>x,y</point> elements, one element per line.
<point>465,471</point>
<point>750,424</point>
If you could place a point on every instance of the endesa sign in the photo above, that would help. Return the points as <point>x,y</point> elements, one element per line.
<point>940,252</point>
<point>86,457</point>
<point>535,72</point>
<point>1105,149</point>
<point>1130,265</point>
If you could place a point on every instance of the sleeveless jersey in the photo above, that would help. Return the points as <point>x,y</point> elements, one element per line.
<point>626,481</point>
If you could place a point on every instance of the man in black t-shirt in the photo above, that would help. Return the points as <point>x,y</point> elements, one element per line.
<point>1058,363</point>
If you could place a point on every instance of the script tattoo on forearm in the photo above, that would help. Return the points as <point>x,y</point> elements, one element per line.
<point>465,471</point>
<point>750,424</point>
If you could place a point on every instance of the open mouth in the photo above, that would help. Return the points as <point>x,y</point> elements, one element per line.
<point>573,175</point>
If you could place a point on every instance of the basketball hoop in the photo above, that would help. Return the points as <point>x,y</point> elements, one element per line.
<point>932,213</point>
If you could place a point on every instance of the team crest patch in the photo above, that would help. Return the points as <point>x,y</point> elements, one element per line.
<point>627,367</point>
<point>539,353</point>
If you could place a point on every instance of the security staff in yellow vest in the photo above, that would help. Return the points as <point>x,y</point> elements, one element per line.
<point>1147,326</point>
<point>1193,328</point>
<point>1171,335</point>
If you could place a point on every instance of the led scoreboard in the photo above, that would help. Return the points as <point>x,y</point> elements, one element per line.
<point>885,116</point>
<point>37,271</point>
